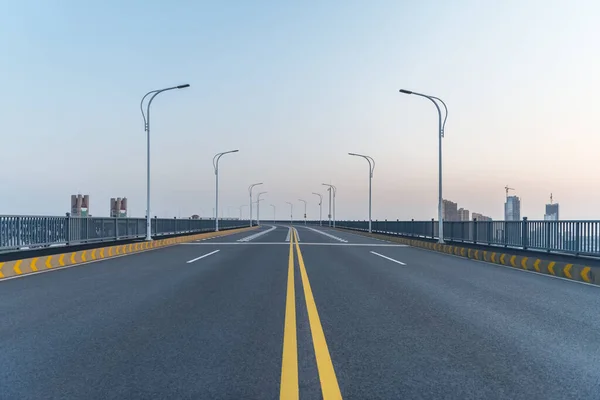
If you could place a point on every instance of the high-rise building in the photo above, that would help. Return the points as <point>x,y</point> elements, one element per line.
<point>80,205</point>
<point>512,209</point>
<point>118,207</point>
<point>463,215</point>
<point>551,212</point>
<point>480,217</point>
<point>449,210</point>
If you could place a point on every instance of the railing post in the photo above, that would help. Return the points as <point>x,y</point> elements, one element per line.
<point>385,226</point>
<point>504,233</point>
<point>525,234</point>
<point>474,230</point>
<point>116,219</point>
<point>489,232</point>
<point>68,228</point>
<point>577,232</point>
<point>412,227</point>
<point>432,228</point>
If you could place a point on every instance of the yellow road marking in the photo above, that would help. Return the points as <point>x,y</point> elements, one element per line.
<point>493,257</point>
<point>48,262</point>
<point>329,384</point>
<point>524,262</point>
<point>512,261</point>
<point>94,254</point>
<point>32,265</point>
<point>462,252</point>
<point>551,267</point>
<point>484,255</point>
<point>584,274</point>
<point>117,249</point>
<point>502,259</point>
<point>83,256</point>
<point>1,274</point>
<point>289,365</point>
<point>477,254</point>
<point>72,258</point>
<point>17,268</point>
<point>102,252</point>
<point>567,270</point>
<point>61,260</point>
<point>536,265</point>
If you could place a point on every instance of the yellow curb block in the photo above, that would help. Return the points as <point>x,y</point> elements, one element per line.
<point>575,272</point>
<point>34,264</point>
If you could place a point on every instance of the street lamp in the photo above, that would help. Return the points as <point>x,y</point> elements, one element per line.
<point>320,207</point>
<point>216,159</point>
<point>304,201</point>
<point>241,207</point>
<point>332,189</point>
<point>272,205</point>
<point>250,192</point>
<point>371,169</point>
<point>441,126</point>
<point>291,212</point>
<point>146,117</point>
<point>258,199</point>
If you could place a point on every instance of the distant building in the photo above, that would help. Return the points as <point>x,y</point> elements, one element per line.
<point>463,215</point>
<point>480,217</point>
<point>449,210</point>
<point>80,205</point>
<point>551,212</point>
<point>512,209</point>
<point>118,207</point>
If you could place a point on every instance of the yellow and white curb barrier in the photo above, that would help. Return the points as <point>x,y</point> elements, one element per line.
<point>572,271</point>
<point>26,266</point>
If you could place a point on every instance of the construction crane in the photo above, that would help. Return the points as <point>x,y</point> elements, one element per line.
<point>507,189</point>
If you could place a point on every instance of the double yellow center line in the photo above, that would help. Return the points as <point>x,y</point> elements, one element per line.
<point>289,389</point>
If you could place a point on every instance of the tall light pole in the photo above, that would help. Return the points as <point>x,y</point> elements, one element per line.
<point>241,207</point>
<point>441,127</point>
<point>216,159</point>
<point>304,201</point>
<point>291,212</point>
<point>371,169</point>
<point>274,212</point>
<point>250,193</point>
<point>320,207</point>
<point>146,117</point>
<point>258,199</point>
<point>332,189</point>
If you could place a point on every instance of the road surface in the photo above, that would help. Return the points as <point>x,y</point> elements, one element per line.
<point>358,318</point>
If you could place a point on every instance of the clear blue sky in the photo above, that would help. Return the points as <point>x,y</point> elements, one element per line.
<point>295,86</point>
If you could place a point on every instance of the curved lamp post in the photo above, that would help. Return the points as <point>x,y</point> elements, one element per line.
<point>371,169</point>
<point>216,159</point>
<point>441,127</point>
<point>146,117</point>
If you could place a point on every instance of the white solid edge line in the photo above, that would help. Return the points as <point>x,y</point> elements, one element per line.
<point>327,234</point>
<point>388,258</point>
<point>258,234</point>
<point>287,238</point>
<point>297,235</point>
<point>201,257</point>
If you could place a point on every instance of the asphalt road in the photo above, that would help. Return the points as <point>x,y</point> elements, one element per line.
<point>362,318</point>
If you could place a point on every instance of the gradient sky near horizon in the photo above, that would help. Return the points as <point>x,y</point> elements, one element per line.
<point>295,86</point>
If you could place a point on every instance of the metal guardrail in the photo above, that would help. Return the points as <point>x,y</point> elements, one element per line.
<point>571,237</point>
<point>20,232</point>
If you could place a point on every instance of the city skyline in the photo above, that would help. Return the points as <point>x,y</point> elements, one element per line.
<point>295,103</point>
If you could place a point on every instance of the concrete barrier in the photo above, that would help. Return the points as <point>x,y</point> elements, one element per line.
<point>576,271</point>
<point>29,265</point>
